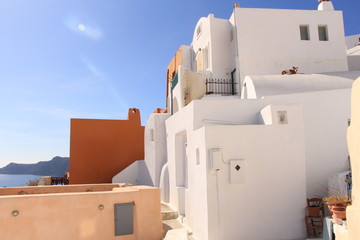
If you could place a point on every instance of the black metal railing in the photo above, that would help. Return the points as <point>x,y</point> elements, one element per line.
<point>220,86</point>
<point>59,181</point>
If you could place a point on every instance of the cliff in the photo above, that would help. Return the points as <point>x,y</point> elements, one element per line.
<point>56,167</point>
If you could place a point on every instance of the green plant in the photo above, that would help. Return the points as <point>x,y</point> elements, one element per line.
<point>315,204</point>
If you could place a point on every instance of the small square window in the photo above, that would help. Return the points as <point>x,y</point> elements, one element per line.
<point>323,33</point>
<point>282,117</point>
<point>304,32</point>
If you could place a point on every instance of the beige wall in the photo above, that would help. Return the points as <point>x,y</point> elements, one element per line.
<point>58,189</point>
<point>353,137</point>
<point>194,85</point>
<point>77,215</point>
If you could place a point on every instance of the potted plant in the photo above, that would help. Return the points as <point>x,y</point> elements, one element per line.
<point>337,206</point>
<point>314,207</point>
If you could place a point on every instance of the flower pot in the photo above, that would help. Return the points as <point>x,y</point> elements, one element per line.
<point>334,205</point>
<point>314,211</point>
<point>339,212</point>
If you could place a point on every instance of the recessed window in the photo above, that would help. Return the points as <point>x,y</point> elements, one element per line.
<point>323,33</point>
<point>152,135</point>
<point>197,156</point>
<point>304,32</point>
<point>206,58</point>
<point>231,35</point>
<point>282,117</point>
<point>198,31</point>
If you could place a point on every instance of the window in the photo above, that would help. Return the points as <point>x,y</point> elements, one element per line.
<point>152,135</point>
<point>206,58</point>
<point>197,156</point>
<point>198,30</point>
<point>323,33</point>
<point>304,32</point>
<point>282,117</point>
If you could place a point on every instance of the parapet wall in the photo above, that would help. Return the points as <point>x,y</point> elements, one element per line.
<point>58,189</point>
<point>79,215</point>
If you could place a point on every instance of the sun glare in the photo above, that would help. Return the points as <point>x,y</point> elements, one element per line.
<point>81,27</point>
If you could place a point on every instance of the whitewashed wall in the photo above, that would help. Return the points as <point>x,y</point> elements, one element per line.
<point>325,115</point>
<point>352,41</point>
<point>135,174</point>
<point>269,41</point>
<point>273,193</point>
<point>354,62</point>
<point>216,37</point>
<point>200,213</point>
<point>155,145</point>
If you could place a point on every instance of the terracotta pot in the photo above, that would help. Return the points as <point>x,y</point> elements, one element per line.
<point>331,206</point>
<point>314,211</point>
<point>339,212</point>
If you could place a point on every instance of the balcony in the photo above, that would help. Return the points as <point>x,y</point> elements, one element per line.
<point>226,87</point>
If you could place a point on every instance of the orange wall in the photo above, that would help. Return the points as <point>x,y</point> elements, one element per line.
<point>173,68</point>
<point>100,149</point>
<point>174,65</point>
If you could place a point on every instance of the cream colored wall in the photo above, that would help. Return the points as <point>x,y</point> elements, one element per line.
<point>353,138</point>
<point>194,85</point>
<point>77,215</point>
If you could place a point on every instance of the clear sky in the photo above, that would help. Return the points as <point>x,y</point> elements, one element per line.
<point>62,59</point>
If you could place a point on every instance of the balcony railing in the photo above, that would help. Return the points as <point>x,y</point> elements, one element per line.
<point>59,181</point>
<point>220,87</point>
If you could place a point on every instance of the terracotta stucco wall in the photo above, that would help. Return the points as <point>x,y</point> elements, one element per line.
<point>99,149</point>
<point>78,216</point>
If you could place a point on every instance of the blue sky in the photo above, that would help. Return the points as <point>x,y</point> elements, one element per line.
<point>63,59</point>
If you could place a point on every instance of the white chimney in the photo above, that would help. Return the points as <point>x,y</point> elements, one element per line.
<point>326,6</point>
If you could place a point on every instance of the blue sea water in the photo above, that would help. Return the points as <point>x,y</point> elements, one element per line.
<point>16,180</point>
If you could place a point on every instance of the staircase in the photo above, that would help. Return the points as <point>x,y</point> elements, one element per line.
<point>173,228</point>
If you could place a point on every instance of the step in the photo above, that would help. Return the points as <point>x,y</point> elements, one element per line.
<point>167,212</point>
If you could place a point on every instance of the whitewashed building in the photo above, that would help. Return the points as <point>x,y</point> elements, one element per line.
<point>353,52</point>
<point>243,146</point>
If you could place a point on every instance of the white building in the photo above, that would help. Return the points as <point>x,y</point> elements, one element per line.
<point>238,157</point>
<point>353,52</point>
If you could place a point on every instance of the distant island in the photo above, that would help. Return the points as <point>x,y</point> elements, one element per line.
<point>56,167</point>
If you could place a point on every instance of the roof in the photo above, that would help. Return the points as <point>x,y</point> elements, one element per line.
<point>354,51</point>
<point>269,85</point>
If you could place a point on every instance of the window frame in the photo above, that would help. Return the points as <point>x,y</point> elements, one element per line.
<point>326,32</point>
<point>301,26</point>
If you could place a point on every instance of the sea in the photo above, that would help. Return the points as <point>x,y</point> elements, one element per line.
<point>16,180</point>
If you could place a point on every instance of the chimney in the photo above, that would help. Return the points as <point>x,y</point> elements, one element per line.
<point>236,5</point>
